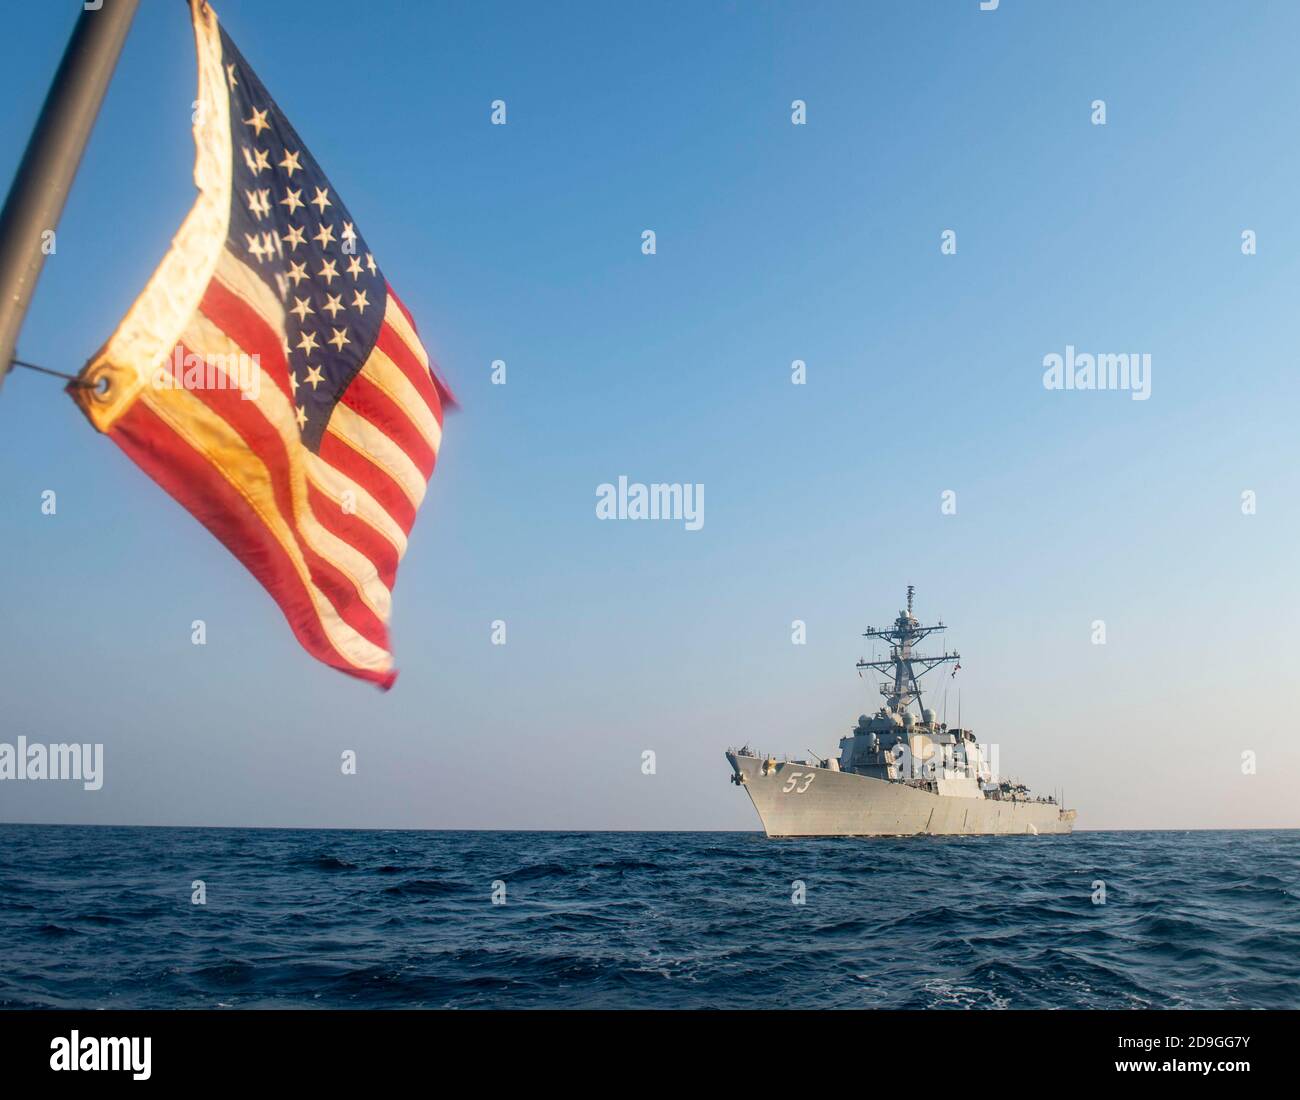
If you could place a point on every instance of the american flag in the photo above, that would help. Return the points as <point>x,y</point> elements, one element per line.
<point>269,378</point>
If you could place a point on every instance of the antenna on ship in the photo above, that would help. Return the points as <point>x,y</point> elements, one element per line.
<point>906,666</point>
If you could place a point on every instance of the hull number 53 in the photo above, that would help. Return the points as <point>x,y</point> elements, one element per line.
<point>798,782</point>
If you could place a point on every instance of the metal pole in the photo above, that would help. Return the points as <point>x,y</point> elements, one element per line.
<point>45,174</point>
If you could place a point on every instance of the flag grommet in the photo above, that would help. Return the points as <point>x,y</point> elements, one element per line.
<point>101,389</point>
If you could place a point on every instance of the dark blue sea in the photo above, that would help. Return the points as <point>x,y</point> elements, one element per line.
<point>104,918</point>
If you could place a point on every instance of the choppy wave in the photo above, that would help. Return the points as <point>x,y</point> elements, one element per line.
<point>104,918</point>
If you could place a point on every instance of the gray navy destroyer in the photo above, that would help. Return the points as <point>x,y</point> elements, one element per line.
<point>900,772</point>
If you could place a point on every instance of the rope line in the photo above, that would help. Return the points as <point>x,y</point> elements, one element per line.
<point>72,378</point>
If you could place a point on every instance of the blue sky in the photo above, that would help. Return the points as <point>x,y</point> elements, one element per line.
<point>775,243</point>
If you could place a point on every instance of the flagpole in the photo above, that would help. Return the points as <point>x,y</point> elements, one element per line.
<point>40,187</point>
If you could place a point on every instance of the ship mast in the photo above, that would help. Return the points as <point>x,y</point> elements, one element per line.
<point>905,666</point>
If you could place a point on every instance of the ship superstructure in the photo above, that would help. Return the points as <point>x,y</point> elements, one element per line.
<point>900,771</point>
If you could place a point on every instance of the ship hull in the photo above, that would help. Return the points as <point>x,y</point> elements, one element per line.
<point>804,800</point>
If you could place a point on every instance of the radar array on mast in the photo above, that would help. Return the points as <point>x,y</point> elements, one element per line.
<point>902,662</point>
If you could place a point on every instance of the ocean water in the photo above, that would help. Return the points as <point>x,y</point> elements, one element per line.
<point>103,917</point>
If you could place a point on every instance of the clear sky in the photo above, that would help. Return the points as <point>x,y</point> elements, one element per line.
<point>775,242</point>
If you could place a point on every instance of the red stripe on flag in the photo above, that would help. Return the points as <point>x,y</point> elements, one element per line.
<point>400,353</point>
<point>399,304</point>
<point>349,461</point>
<point>355,532</point>
<point>364,397</point>
<point>244,325</point>
<point>192,481</point>
<point>445,396</point>
<point>246,419</point>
